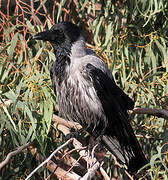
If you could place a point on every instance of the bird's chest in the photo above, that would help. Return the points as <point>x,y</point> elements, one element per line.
<point>72,99</point>
<point>70,96</point>
<point>78,102</point>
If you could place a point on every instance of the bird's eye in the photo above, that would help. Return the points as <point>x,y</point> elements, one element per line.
<point>58,36</point>
<point>58,31</point>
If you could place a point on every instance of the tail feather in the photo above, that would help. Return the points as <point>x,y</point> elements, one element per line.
<point>131,155</point>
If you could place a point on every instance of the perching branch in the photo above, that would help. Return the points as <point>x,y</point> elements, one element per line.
<point>66,130</point>
<point>69,124</point>
<point>91,171</point>
<point>13,153</point>
<point>65,126</point>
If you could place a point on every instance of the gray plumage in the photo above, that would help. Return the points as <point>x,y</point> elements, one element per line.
<point>87,94</point>
<point>76,95</point>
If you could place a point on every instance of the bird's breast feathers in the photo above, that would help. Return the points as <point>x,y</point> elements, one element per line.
<point>78,100</point>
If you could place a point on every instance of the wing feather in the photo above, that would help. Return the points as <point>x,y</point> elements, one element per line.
<point>119,136</point>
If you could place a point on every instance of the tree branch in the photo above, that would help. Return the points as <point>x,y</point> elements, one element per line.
<point>65,126</point>
<point>104,174</point>
<point>49,158</point>
<point>155,112</point>
<point>13,153</point>
<point>91,172</point>
<point>53,168</point>
<point>69,124</point>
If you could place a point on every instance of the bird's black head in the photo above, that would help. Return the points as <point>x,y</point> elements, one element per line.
<point>60,34</point>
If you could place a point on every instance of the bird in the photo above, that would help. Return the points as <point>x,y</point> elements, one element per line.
<point>87,93</point>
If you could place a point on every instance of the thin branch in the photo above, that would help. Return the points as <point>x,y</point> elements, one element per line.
<point>72,167</point>
<point>91,171</point>
<point>76,149</point>
<point>49,158</point>
<point>121,166</point>
<point>82,153</point>
<point>78,145</point>
<point>13,153</point>
<point>53,168</point>
<point>93,161</point>
<point>104,174</point>
<point>92,154</point>
<point>155,112</point>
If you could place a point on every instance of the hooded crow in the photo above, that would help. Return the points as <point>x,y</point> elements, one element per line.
<point>87,94</point>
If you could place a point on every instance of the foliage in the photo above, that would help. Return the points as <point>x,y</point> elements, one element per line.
<point>131,36</point>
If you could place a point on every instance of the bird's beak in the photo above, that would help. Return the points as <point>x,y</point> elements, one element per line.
<point>45,36</point>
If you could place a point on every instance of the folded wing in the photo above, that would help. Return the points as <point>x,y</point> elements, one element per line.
<point>118,137</point>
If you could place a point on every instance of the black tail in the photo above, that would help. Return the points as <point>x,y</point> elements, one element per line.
<point>130,154</point>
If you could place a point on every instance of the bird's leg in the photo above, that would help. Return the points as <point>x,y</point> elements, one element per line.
<point>74,133</point>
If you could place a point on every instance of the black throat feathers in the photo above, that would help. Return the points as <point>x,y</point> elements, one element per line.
<point>59,66</point>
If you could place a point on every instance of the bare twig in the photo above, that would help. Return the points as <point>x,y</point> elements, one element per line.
<point>121,166</point>
<point>72,166</point>
<point>13,153</point>
<point>7,113</point>
<point>155,112</point>
<point>104,174</point>
<point>53,168</point>
<point>49,158</point>
<point>91,172</point>
<point>76,149</point>
<point>83,153</point>
<point>92,154</point>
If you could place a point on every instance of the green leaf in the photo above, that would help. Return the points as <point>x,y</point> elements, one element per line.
<point>12,46</point>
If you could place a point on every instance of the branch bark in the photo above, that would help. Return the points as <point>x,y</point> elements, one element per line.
<point>69,124</point>
<point>49,158</point>
<point>71,175</point>
<point>53,168</point>
<point>91,172</point>
<point>155,112</point>
<point>13,153</point>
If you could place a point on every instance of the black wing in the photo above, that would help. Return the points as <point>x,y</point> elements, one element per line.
<point>119,136</point>
<point>107,89</point>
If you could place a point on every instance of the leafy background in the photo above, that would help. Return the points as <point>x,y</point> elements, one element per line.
<point>131,36</point>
